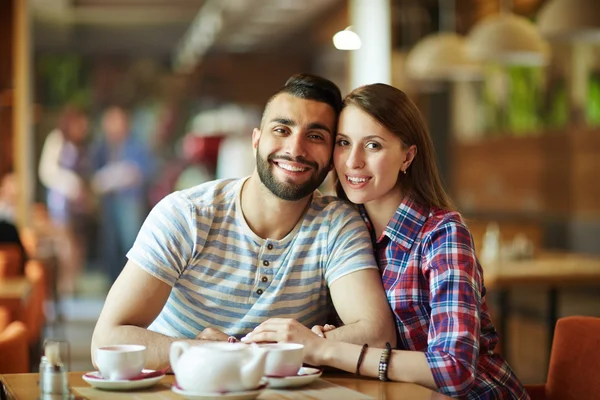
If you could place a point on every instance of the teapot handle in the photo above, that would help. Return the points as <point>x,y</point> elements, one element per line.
<point>177,349</point>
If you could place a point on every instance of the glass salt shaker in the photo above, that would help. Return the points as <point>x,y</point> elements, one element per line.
<point>53,374</point>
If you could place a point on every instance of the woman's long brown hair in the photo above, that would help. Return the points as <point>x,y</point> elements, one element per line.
<point>395,111</point>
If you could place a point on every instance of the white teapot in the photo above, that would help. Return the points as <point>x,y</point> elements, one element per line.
<point>217,367</point>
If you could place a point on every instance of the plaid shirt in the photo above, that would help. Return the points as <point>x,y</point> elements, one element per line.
<point>434,284</point>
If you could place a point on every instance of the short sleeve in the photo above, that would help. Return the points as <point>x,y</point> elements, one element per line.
<point>349,244</point>
<point>165,242</point>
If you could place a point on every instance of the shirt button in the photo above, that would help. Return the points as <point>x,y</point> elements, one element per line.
<point>259,292</point>
<point>270,246</point>
<point>264,279</point>
<point>266,263</point>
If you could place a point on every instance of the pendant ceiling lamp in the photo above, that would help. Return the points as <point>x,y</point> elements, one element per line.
<point>575,20</point>
<point>441,56</point>
<point>507,38</point>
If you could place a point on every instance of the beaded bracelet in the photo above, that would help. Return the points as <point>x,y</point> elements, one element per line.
<point>384,362</point>
<point>360,358</point>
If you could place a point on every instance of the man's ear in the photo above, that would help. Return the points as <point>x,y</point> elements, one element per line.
<point>255,138</point>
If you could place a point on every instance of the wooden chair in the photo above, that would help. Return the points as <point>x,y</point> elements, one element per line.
<point>4,318</point>
<point>34,312</point>
<point>574,362</point>
<point>14,349</point>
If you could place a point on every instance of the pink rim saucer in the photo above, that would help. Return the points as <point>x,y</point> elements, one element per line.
<point>304,371</point>
<point>146,374</point>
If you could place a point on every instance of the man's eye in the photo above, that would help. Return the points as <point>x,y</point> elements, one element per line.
<point>317,137</point>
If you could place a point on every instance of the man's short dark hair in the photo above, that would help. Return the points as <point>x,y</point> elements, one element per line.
<point>311,87</point>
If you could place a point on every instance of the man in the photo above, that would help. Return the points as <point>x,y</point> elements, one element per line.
<point>215,261</point>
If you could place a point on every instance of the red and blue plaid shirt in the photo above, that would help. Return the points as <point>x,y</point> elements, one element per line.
<point>434,284</point>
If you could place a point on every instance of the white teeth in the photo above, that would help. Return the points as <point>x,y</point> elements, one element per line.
<point>291,168</point>
<point>357,180</point>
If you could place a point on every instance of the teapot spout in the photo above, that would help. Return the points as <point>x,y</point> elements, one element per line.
<point>253,370</point>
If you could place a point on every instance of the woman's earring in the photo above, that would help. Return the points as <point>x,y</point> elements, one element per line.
<point>405,171</point>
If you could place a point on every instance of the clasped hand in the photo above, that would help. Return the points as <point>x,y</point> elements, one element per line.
<point>280,330</point>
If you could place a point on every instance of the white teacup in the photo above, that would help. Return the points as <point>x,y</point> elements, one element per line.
<point>284,359</point>
<point>120,362</point>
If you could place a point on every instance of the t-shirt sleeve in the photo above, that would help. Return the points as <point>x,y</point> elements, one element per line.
<point>165,242</point>
<point>349,244</point>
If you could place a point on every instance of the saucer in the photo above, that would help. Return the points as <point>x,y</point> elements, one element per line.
<point>243,395</point>
<point>95,379</point>
<point>304,377</point>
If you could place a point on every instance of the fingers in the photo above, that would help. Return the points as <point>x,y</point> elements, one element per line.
<point>212,334</point>
<point>328,328</point>
<point>319,330</point>
<point>275,330</point>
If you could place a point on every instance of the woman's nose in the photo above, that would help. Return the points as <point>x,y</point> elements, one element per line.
<point>355,160</point>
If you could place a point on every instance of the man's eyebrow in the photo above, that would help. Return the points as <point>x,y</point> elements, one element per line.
<point>317,125</point>
<point>284,121</point>
<point>289,122</point>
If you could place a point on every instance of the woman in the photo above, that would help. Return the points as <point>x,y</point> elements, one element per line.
<point>385,162</point>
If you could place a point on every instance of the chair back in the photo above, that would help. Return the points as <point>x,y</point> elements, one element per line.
<point>575,360</point>
<point>4,318</point>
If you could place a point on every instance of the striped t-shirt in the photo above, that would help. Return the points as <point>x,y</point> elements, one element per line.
<point>226,277</point>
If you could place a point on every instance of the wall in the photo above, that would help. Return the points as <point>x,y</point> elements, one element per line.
<point>6,84</point>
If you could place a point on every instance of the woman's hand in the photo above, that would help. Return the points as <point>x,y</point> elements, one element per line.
<point>291,331</point>
<point>322,330</point>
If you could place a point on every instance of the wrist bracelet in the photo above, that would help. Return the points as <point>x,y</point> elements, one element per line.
<point>384,362</point>
<point>360,358</point>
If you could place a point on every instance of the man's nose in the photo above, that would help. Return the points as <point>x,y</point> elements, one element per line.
<point>296,146</point>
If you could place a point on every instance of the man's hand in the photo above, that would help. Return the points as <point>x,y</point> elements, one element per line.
<point>290,331</point>
<point>213,334</point>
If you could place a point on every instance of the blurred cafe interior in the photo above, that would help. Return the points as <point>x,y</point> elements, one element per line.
<point>510,90</point>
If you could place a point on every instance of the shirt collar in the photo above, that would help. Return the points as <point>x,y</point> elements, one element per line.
<point>405,224</point>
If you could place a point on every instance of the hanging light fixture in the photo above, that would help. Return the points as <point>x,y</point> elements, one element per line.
<point>441,55</point>
<point>577,20</point>
<point>347,40</point>
<point>507,38</point>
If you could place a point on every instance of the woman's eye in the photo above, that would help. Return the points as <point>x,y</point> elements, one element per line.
<point>373,145</point>
<point>342,142</point>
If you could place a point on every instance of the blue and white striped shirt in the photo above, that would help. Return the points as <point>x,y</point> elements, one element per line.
<point>226,277</point>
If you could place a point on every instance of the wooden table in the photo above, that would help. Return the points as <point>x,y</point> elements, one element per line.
<point>24,387</point>
<point>552,271</point>
<point>14,293</point>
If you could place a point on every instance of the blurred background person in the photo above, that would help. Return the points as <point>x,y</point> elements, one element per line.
<point>64,170</point>
<point>123,167</point>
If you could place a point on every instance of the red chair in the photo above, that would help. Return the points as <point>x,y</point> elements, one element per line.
<point>574,362</point>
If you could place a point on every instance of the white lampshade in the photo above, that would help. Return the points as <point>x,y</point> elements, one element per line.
<point>570,20</point>
<point>509,39</point>
<point>440,56</point>
<point>347,40</point>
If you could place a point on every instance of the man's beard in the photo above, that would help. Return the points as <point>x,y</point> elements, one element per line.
<point>287,190</point>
